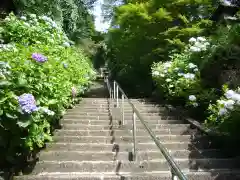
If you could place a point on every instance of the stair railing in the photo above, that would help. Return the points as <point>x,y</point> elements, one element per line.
<point>114,96</point>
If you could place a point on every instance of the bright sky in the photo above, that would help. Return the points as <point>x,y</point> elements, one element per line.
<point>99,24</point>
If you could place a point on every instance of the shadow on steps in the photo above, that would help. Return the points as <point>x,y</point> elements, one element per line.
<point>220,152</point>
<point>97,90</point>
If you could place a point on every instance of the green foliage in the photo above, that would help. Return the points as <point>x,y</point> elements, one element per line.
<point>215,63</point>
<point>179,79</point>
<point>224,114</point>
<point>53,82</point>
<point>72,15</point>
<point>144,32</point>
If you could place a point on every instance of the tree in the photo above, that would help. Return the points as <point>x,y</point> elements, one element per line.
<point>147,31</point>
<point>72,15</point>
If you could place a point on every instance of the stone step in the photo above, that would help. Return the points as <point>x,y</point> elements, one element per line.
<point>107,113</point>
<point>124,139</point>
<point>175,131</point>
<point>124,156</point>
<point>216,174</point>
<point>121,147</point>
<point>126,166</point>
<point>126,109</point>
<point>107,117</point>
<point>128,126</point>
<point>127,121</point>
<point>106,104</point>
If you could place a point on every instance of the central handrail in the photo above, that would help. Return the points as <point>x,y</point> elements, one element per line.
<point>175,170</point>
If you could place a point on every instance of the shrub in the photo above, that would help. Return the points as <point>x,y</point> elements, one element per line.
<point>41,75</point>
<point>224,114</point>
<point>180,79</point>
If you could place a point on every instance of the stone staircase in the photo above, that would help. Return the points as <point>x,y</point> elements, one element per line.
<point>92,145</point>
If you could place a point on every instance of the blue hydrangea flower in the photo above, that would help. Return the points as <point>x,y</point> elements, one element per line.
<point>27,103</point>
<point>39,57</point>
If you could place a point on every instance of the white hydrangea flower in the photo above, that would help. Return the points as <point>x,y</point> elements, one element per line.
<point>66,44</point>
<point>23,18</point>
<point>199,44</point>
<point>192,98</point>
<point>162,75</point>
<point>195,104</point>
<point>33,16</point>
<point>192,66</point>
<point>7,19</point>
<point>195,70</point>
<point>229,104</point>
<point>168,80</point>
<point>189,76</point>
<point>230,94</point>
<point>192,40</point>
<point>206,44</point>
<point>176,69</point>
<point>47,111</point>
<point>54,25</point>
<point>155,73</point>
<point>167,65</point>
<point>195,49</point>
<point>201,39</point>
<point>171,86</point>
<point>222,111</point>
<point>180,74</point>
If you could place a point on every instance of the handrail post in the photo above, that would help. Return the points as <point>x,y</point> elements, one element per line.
<point>123,120</point>
<point>174,168</point>
<point>134,136</point>
<point>174,177</point>
<point>117,95</point>
<point>114,90</point>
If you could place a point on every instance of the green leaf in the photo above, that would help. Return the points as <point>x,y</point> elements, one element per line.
<point>3,100</point>
<point>52,101</point>
<point>1,112</point>
<point>24,124</point>
<point>5,83</point>
<point>11,116</point>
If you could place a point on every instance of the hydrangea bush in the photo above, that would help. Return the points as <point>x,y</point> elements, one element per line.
<point>177,79</point>
<point>224,114</point>
<point>180,79</point>
<point>41,74</point>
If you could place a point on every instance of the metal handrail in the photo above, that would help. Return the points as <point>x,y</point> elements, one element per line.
<point>175,170</point>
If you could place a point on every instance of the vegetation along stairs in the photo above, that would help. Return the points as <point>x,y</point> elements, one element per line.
<point>93,145</point>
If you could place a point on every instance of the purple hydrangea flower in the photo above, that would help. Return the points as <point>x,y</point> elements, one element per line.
<point>74,92</point>
<point>27,103</point>
<point>39,57</point>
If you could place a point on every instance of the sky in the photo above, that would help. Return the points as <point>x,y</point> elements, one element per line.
<point>99,24</point>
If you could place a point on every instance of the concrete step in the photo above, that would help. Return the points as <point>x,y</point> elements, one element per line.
<point>106,104</point>
<point>124,139</point>
<point>127,121</point>
<point>126,109</point>
<point>126,166</point>
<point>128,126</point>
<point>124,156</point>
<point>97,113</point>
<point>223,174</point>
<point>121,147</point>
<point>174,131</point>
<point>107,117</point>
